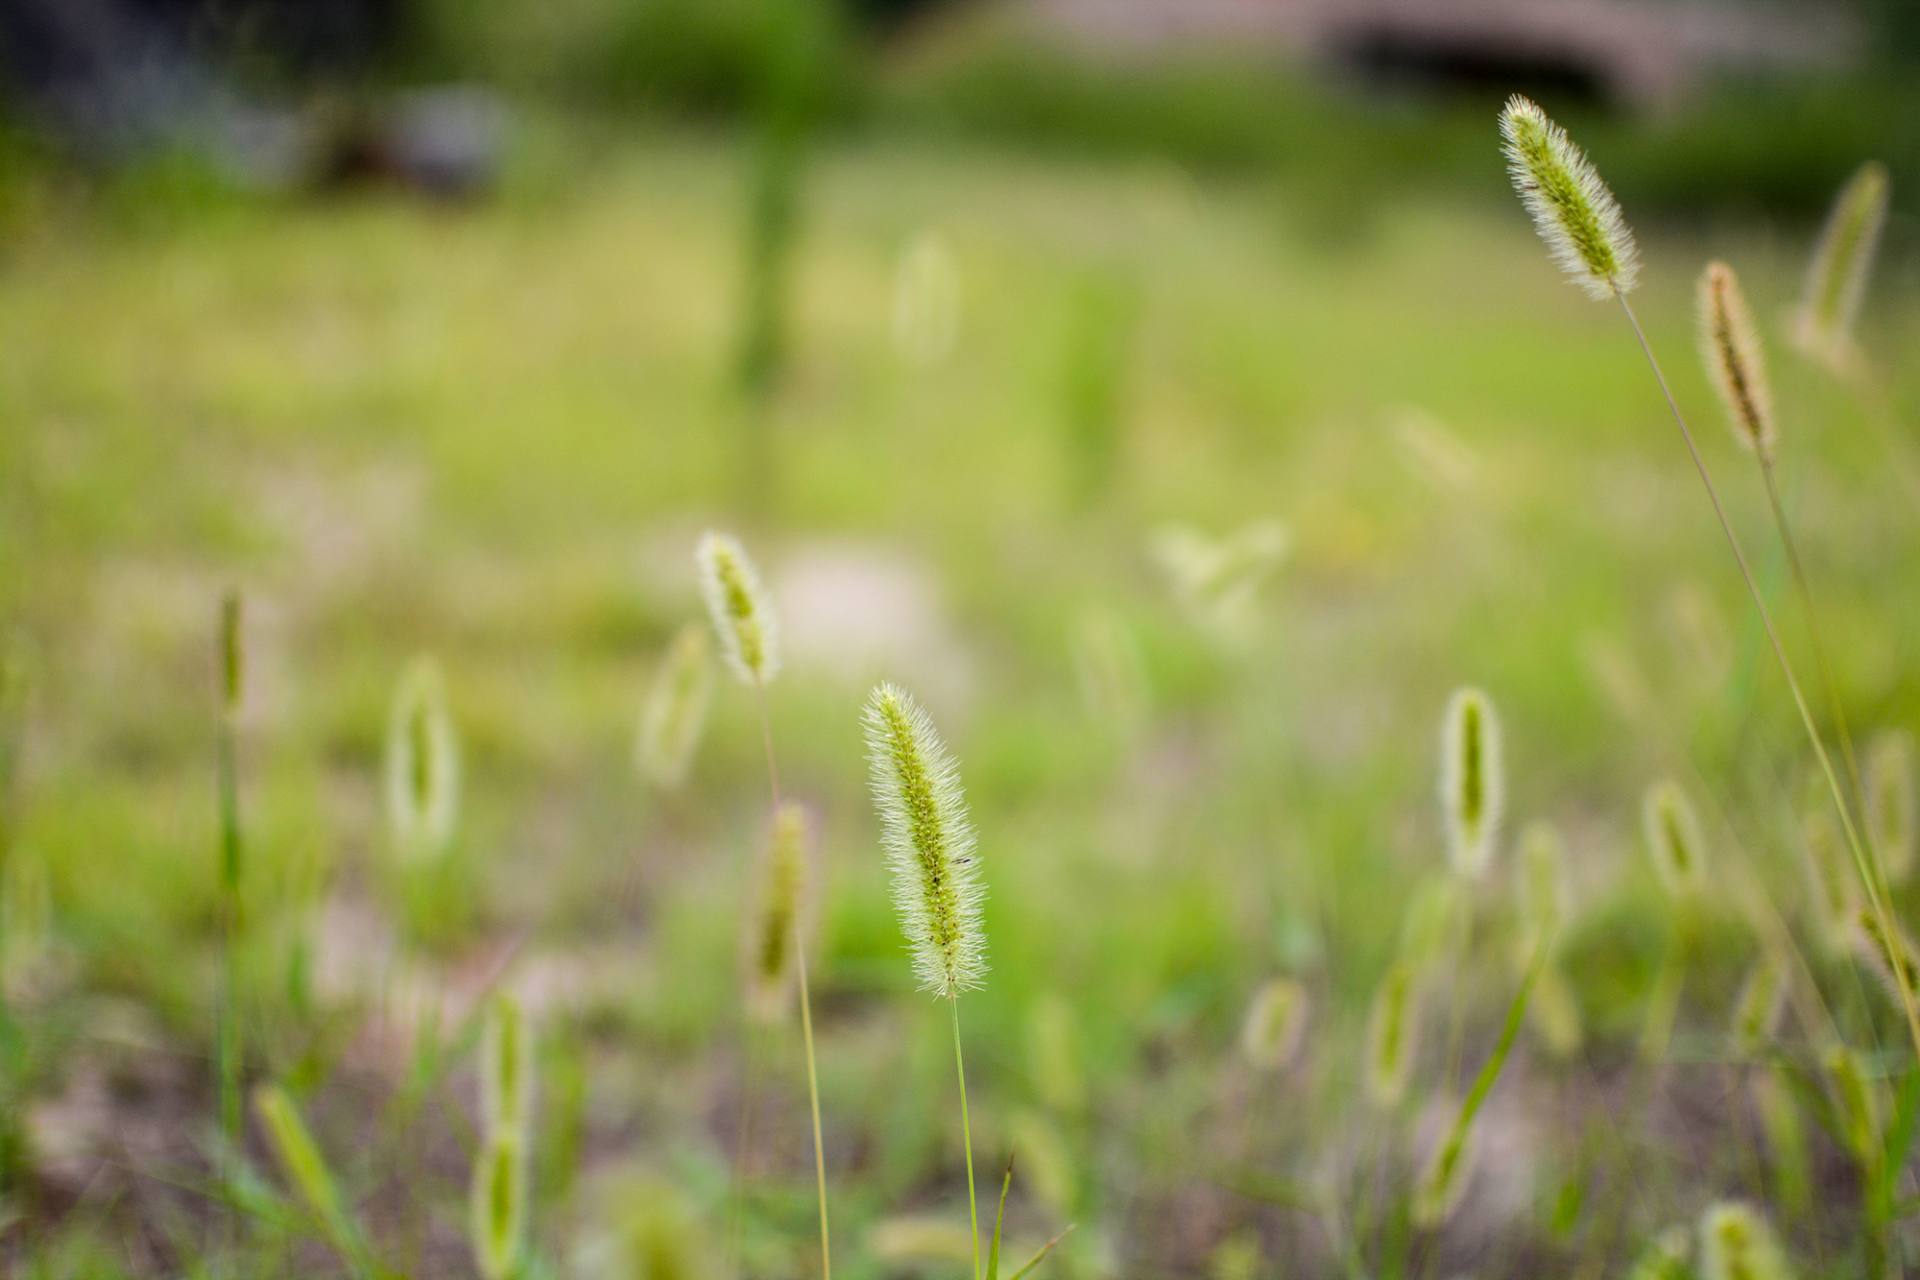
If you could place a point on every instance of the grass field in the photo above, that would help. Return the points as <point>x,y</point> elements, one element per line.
<point>494,434</point>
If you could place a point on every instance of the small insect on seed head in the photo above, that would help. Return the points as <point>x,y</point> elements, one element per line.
<point>741,610</point>
<point>1472,780</point>
<point>1837,274</point>
<point>1571,207</point>
<point>929,843</point>
<point>675,712</point>
<point>1673,839</point>
<point>1393,1033</point>
<point>1893,811</point>
<point>1736,1243</point>
<point>1730,346</point>
<point>422,764</point>
<point>1275,1023</point>
<point>776,923</point>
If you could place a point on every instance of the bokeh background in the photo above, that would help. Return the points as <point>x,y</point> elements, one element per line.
<point>444,329</point>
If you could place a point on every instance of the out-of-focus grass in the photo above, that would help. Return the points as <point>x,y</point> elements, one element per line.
<point>493,433</point>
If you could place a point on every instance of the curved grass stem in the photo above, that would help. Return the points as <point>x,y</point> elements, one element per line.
<point>1864,863</point>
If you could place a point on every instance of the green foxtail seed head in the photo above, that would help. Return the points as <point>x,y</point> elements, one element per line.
<point>1891,956</point>
<point>1554,1011</point>
<point>1393,1033</point>
<point>1472,780</point>
<point>1831,884</point>
<point>1673,839</point>
<point>775,923</point>
<point>1736,1243</point>
<point>232,654</point>
<point>1571,207</point>
<point>1756,1010</point>
<point>497,1209</point>
<point>1779,1116</point>
<point>675,712</point>
<point>929,843</point>
<point>422,763</point>
<point>1541,897</point>
<point>741,610</point>
<point>506,1065</point>
<point>1892,808</point>
<point>1730,346</point>
<point>1665,1257</point>
<point>300,1159</point>
<point>1837,275</point>
<point>1443,1179</point>
<point>1854,1102</point>
<point>1435,930</point>
<point>1275,1022</point>
<point>926,300</point>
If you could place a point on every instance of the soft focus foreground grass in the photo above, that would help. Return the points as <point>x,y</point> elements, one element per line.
<point>492,434</point>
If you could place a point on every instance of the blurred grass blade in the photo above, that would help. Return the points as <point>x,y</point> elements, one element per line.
<point>1041,1256</point>
<point>999,1220</point>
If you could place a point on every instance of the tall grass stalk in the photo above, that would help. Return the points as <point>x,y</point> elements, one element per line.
<point>749,632</point>
<point>229,1049</point>
<point>929,842</point>
<point>1582,225</point>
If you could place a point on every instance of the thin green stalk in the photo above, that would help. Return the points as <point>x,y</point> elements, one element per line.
<point>1804,589</point>
<point>806,1005</point>
<point>966,1136</point>
<point>813,1100</point>
<point>228,1048</point>
<point>1863,863</point>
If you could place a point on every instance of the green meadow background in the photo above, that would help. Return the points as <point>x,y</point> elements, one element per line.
<point>492,433</point>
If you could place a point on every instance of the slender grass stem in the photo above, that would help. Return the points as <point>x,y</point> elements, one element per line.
<point>1803,587</point>
<point>966,1136</point>
<point>228,1048</point>
<point>813,1100</point>
<point>1863,861</point>
<point>806,1002</point>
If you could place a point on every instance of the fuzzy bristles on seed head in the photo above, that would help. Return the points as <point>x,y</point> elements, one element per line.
<point>1673,839</point>
<point>775,923</point>
<point>1888,951</point>
<point>1730,345</point>
<point>422,763</point>
<point>1853,1099</point>
<point>1571,207</point>
<point>506,1065</point>
<point>1756,1011</point>
<point>1393,1030</point>
<point>1472,783</point>
<point>929,843</point>
<point>675,712</point>
<point>1275,1022</point>
<point>498,1208</point>
<point>741,610</point>
<point>1893,810</point>
<point>1837,275</point>
<point>1737,1244</point>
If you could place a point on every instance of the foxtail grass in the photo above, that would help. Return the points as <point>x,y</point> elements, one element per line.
<point>929,844</point>
<point>1393,1034</point>
<point>1664,1257</point>
<point>306,1168</point>
<point>1757,1007</point>
<point>1674,842</point>
<point>1893,810</point>
<point>675,711</point>
<point>743,617</point>
<point>422,764</point>
<point>1275,1022</point>
<point>1737,1243</point>
<point>1472,781</point>
<point>1838,272</point>
<point>497,1208</point>
<point>230,1052</point>
<point>1587,235</point>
